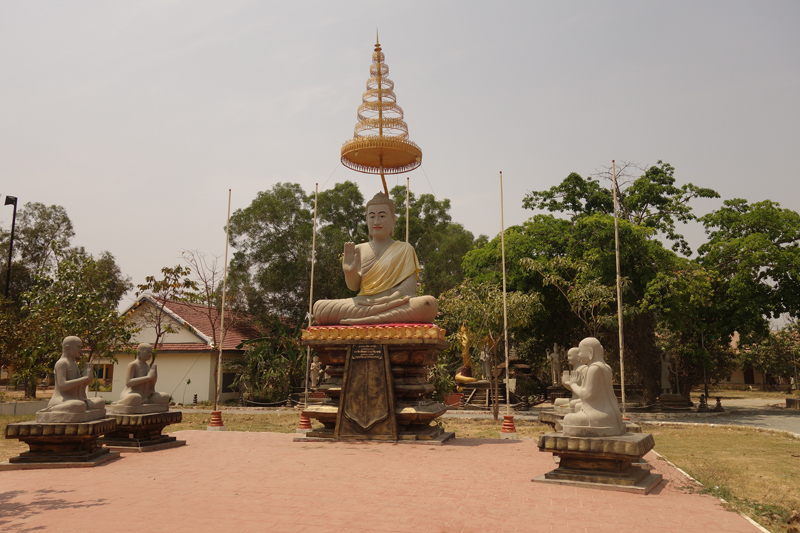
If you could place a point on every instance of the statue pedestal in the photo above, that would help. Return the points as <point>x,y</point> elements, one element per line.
<point>553,419</point>
<point>141,432</point>
<point>377,387</point>
<point>600,462</point>
<point>673,402</point>
<point>60,445</point>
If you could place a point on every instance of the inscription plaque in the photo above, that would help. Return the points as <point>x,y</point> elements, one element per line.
<point>367,399</point>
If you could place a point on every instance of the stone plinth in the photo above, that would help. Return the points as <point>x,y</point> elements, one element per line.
<point>46,416</point>
<point>553,419</point>
<point>600,462</point>
<point>57,445</point>
<point>115,409</point>
<point>672,402</point>
<point>376,386</point>
<point>142,432</point>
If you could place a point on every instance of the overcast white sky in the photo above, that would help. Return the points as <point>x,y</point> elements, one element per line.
<point>138,116</point>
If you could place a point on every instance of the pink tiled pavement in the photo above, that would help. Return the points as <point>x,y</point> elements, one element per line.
<point>234,481</point>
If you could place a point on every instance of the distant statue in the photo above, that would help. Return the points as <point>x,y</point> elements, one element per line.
<point>555,363</point>
<point>666,370</point>
<point>314,370</point>
<point>69,402</point>
<point>140,382</point>
<point>486,365</point>
<point>599,414</point>
<point>575,376</point>
<point>385,272</point>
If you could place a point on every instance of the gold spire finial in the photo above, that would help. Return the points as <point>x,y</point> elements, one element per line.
<point>380,142</point>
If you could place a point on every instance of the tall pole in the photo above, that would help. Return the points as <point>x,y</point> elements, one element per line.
<point>311,292</point>
<point>619,288</point>
<point>222,315</point>
<point>12,200</point>
<point>407,197</point>
<point>505,307</point>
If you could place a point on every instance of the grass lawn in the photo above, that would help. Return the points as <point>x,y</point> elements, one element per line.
<point>757,472</point>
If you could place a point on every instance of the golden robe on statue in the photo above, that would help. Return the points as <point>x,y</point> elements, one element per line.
<point>384,272</point>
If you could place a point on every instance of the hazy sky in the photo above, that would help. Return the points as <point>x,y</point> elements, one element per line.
<point>138,116</point>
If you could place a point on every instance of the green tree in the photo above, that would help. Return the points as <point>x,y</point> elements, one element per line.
<point>479,307</point>
<point>173,286</point>
<point>439,242</point>
<point>74,301</point>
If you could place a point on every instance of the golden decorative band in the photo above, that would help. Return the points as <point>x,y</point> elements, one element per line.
<point>374,332</point>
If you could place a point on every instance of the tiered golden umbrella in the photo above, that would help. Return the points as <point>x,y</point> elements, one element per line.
<point>380,142</point>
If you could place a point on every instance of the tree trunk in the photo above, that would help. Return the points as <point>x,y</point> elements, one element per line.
<point>30,387</point>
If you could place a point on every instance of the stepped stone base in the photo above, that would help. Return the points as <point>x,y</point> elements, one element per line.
<point>58,445</point>
<point>609,463</point>
<point>376,386</point>
<point>142,432</point>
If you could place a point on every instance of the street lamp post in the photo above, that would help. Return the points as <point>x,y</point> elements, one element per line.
<point>10,200</point>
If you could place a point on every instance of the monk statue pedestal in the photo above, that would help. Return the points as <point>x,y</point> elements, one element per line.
<point>377,387</point>
<point>611,463</point>
<point>60,444</point>
<point>141,432</point>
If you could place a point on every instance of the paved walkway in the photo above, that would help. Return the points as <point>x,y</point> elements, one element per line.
<point>237,481</point>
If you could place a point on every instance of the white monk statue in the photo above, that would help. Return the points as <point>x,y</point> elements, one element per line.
<point>69,402</point>
<point>576,376</point>
<point>666,370</point>
<point>140,382</point>
<point>384,271</point>
<point>599,414</point>
<point>314,371</point>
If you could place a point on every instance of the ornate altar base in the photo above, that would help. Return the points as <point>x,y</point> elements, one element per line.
<point>60,445</point>
<point>142,432</point>
<point>377,387</point>
<point>608,463</point>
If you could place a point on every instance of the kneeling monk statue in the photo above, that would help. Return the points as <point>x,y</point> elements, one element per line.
<point>140,382</point>
<point>385,272</point>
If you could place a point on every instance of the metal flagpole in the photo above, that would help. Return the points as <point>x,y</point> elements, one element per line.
<point>222,314</point>
<point>619,288</point>
<point>311,292</point>
<point>505,308</point>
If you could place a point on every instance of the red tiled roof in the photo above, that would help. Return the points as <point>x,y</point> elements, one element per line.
<point>200,318</point>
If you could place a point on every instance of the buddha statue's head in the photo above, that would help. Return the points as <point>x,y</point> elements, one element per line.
<point>573,356</point>
<point>380,217</point>
<point>144,351</point>
<point>71,347</point>
<point>591,351</point>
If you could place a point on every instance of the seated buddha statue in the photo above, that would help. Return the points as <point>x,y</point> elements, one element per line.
<point>69,402</point>
<point>385,273</point>
<point>140,381</point>
<point>598,414</point>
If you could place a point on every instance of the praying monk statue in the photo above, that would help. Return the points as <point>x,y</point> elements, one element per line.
<point>140,382</point>
<point>599,414</point>
<point>69,402</point>
<point>385,273</point>
<point>575,376</point>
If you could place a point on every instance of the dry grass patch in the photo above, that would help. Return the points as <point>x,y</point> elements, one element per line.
<point>490,429</point>
<point>11,447</point>
<point>257,422</point>
<point>741,395</point>
<point>756,472</point>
